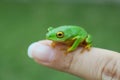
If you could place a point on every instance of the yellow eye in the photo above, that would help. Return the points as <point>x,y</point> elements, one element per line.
<point>60,34</point>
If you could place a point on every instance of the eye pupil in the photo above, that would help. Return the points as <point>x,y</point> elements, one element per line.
<point>60,34</point>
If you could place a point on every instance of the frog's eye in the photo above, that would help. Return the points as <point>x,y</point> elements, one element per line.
<point>60,34</point>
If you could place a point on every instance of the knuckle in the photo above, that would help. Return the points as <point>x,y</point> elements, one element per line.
<point>111,70</point>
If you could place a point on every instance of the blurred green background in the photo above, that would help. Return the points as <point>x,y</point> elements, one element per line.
<point>25,21</point>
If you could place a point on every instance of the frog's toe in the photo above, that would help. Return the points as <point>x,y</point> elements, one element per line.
<point>68,50</point>
<point>85,48</point>
<point>88,47</point>
<point>53,44</point>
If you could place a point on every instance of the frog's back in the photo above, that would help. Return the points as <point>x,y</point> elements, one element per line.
<point>73,29</point>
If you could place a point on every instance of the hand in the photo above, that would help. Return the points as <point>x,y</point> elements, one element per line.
<point>96,64</point>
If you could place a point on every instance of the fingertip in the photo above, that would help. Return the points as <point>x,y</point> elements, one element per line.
<point>41,51</point>
<point>30,49</point>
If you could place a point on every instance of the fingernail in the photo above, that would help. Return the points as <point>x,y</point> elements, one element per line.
<point>40,51</point>
<point>30,49</point>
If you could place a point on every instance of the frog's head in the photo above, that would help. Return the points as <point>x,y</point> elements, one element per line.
<point>57,34</point>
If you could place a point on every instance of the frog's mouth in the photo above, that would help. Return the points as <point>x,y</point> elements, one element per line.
<point>56,39</point>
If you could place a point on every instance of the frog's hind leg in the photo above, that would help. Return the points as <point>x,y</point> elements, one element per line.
<point>87,44</point>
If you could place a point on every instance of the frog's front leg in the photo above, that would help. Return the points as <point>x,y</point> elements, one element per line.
<point>77,41</point>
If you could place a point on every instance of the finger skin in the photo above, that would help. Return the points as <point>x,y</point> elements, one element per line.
<point>96,64</point>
